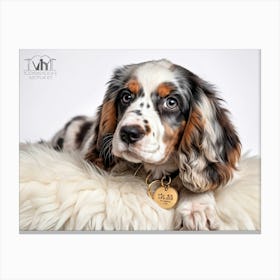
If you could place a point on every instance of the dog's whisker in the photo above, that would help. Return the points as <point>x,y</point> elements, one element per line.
<point>106,149</point>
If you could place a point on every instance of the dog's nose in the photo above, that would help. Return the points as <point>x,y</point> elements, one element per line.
<point>131,133</point>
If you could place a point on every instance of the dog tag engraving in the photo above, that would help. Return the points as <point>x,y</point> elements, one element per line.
<point>165,196</point>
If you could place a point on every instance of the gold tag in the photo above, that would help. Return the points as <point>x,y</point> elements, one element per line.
<point>166,197</point>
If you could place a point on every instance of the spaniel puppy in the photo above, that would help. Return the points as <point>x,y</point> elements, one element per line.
<point>170,121</point>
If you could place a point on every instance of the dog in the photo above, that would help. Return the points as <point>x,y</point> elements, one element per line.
<point>164,120</point>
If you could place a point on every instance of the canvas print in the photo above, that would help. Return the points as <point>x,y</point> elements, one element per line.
<point>139,140</point>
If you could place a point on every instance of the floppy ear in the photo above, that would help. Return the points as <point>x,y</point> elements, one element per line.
<point>99,151</point>
<point>99,148</point>
<point>210,147</point>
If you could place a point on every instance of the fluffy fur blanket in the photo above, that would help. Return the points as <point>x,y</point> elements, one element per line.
<point>60,191</point>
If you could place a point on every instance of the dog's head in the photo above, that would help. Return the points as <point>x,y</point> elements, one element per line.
<point>161,114</point>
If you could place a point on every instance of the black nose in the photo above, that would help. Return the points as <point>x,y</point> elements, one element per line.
<point>131,133</point>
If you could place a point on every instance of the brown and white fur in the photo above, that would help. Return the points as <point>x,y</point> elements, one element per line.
<point>170,121</point>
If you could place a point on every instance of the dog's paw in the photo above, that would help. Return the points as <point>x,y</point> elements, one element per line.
<point>196,212</point>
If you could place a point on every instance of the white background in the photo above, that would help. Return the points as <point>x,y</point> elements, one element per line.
<point>81,77</point>
<point>191,24</point>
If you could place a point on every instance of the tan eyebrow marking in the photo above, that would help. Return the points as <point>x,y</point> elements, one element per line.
<point>134,86</point>
<point>164,89</point>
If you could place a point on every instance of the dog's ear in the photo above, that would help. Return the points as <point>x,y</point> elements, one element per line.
<point>210,148</point>
<point>99,149</point>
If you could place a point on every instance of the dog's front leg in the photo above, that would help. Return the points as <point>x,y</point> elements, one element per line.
<point>196,211</point>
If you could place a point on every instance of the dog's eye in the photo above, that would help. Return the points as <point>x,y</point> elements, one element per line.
<point>126,97</point>
<point>170,103</point>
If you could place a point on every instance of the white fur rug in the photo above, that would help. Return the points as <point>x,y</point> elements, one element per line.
<point>60,191</point>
